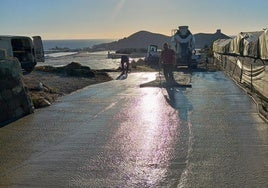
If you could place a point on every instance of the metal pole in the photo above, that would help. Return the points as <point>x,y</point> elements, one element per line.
<point>251,77</point>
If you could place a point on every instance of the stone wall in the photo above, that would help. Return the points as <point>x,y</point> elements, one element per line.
<point>14,101</point>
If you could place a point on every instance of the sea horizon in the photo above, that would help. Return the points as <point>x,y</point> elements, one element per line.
<point>73,43</point>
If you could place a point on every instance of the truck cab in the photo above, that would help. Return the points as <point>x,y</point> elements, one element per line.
<point>27,50</point>
<point>152,56</point>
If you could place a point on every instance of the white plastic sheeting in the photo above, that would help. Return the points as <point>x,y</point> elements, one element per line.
<point>222,46</point>
<point>263,45</point>
<point>247,44</point>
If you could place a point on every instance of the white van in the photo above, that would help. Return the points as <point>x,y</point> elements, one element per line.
<point>27,50</point>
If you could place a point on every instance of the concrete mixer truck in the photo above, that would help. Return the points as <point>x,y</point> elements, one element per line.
<point>183,43</point>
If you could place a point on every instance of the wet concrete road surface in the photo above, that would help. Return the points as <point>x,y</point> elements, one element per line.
<point>117,134</point>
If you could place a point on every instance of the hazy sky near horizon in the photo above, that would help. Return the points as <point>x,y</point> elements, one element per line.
<point>115,19</point>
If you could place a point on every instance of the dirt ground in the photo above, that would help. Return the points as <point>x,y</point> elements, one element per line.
<point>58,83</point>
<point>50,86</point>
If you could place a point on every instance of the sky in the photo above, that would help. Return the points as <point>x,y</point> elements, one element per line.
<point>116,19</point>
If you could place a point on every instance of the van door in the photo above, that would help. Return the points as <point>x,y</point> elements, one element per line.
<point>38,49</point>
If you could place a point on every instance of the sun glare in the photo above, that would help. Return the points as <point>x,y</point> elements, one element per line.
<point>117,8</point>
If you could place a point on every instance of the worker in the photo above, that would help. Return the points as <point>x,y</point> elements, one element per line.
<point>124,64</point>
<point>167,60</point>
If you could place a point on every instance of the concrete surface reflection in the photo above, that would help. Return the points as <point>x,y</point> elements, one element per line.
<point>142,150</point>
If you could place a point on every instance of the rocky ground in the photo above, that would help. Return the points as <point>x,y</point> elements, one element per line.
<point>45,84</point>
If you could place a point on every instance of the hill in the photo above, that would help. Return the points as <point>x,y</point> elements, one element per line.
<point>142,39</point>
<point>207,39</point>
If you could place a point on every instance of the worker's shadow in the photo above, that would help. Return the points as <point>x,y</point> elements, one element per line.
<point>177,100</point>
<point>122,76</point>
<point>176,95</point>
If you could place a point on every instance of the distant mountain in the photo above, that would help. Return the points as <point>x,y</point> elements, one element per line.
<point>142,39</point>
<point>207,39</point>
